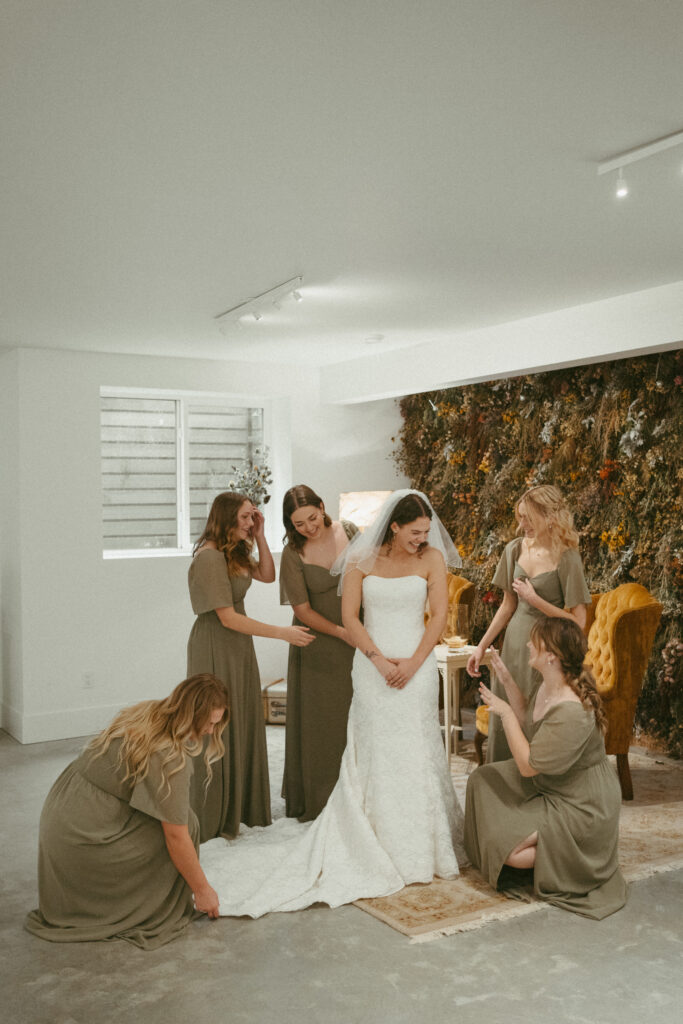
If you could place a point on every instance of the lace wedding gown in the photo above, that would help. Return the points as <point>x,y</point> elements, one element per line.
<point>393,817</point>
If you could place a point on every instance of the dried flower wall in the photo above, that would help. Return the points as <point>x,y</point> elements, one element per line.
<point>609,436</point>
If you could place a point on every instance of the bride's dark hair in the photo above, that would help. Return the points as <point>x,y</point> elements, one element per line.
<point>407,510</point>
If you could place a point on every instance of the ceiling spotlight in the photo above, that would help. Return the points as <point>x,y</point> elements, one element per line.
<point>622,187</point>
<point>297,295</point>
<point>249,310</point>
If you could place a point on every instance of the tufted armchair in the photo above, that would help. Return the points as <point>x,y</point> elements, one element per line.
<point>621,627</point>
<point>620,639</point>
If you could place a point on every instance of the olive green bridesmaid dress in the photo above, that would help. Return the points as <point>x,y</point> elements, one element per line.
<point>239,790</point>
<point>104,871</point>
<point>564,587</point>
<point>573,804</point>
<point>319,690</point>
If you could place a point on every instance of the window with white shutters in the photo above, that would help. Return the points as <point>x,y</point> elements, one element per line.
<point>164,459</point>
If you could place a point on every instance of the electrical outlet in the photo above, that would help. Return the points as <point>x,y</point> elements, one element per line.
<point>88,680</point>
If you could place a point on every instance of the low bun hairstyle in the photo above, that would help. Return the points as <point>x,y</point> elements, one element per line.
<point>566,640</point>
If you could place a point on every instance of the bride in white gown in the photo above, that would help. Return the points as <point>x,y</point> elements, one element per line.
<point>393,817</point>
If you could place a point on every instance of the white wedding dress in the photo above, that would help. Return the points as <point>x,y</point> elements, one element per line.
<point>393,818</point>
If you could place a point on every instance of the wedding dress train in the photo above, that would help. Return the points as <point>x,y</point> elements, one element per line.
<point>393,817</point>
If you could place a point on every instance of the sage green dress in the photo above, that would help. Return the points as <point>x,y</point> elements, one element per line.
<point>573,804</point>
<point>104,871</point>
<point>565,587</point>
<point>319,690</point>
<point>239,790</point>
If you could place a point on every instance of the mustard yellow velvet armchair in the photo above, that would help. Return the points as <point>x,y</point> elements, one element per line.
<point>621,627</point>
<point>620,639</point>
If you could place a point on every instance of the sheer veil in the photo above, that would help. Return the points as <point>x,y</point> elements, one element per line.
<point>362,551</point>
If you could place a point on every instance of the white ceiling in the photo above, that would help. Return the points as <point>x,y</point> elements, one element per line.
<point>430,168</point>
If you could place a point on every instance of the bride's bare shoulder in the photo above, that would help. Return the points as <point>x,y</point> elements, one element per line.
<point>433,558</point>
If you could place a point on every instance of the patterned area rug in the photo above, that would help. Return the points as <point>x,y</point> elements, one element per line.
<point>650,840</point>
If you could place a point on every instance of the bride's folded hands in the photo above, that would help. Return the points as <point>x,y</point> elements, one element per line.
<point>404,670</point>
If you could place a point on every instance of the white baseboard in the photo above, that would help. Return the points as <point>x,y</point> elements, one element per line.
<point>56,725</point>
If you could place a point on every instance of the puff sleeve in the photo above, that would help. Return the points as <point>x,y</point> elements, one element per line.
<point>293,589</point>
<point>572,580</point>
<point>209,582</point>
<point>561,738</point>
<point>167,801</point>
<point>505,570</point>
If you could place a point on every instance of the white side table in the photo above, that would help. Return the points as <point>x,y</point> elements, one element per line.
<point>451,662</point>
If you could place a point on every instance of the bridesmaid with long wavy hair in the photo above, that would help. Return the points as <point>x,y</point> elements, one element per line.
<point>221,643</point>
<point>118,838</point>
<point>540,573</point>
<point>319,687</point>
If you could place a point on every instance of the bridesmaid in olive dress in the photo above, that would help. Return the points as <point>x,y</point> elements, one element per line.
<point>118,839</point>
<point>554,807</point>
<point>540,573</point>
<point>221,643</point>
<point>319,677</point>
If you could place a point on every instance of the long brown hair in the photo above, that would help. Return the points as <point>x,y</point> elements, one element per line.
<point>566,640</point>
<point>299,497</point>
<point>547,502</point>
<point>172,727</point>
<point>220,528</point>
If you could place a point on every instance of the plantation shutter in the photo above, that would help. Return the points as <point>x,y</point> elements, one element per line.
<point>163,462</point>
<point>139,445</point>
<point>220,441</point>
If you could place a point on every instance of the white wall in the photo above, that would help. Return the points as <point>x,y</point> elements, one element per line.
<point>627,325</point>
<point>71,617</point>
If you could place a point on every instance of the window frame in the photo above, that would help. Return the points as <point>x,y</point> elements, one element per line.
<point>185,398</point>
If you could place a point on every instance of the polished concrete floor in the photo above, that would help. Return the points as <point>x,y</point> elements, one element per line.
<point>329,966</point>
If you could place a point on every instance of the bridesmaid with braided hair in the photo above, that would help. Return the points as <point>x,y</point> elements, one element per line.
<point>554,806</point>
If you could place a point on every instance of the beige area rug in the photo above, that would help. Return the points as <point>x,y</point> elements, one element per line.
<point>650,840</point>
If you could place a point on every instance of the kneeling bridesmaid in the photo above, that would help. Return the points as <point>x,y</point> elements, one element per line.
<point>118,839</point>
<point>554,806</point>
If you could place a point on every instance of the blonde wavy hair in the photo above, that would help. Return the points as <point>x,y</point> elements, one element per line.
<point>566,640</point>
<point>172,727</point>
<point>545,504</point>
<point>220,528</point>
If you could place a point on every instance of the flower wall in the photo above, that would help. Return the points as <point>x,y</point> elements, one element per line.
<point>609,436</point>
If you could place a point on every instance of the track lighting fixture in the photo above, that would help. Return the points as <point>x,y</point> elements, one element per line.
<point>632,155</point>
<point>253,309</point>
